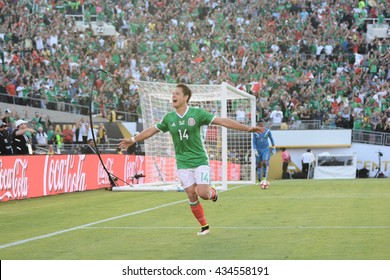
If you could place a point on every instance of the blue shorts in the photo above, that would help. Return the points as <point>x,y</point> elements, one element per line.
<point>264,155</point>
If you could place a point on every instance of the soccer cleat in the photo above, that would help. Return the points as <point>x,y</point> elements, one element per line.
<point>204,230</point>
<point>215,195</point>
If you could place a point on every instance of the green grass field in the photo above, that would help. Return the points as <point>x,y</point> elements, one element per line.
<point>293,220</point>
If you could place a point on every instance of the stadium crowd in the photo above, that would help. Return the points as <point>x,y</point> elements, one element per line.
<point>307,59</point>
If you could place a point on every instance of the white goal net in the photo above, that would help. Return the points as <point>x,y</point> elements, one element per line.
<point>229,151</point>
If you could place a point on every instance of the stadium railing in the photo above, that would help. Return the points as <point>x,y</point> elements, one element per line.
<point>371,137</point>
<point>376,21</point>
<point>66,149</point>
<point>80,17</point>
<point>79,109</point>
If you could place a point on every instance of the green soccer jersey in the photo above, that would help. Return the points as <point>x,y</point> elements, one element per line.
<point>186,135</point>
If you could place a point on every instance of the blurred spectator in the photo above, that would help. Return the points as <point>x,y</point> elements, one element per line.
<point>119,151</point>
<point>89,148</point>
<point>83,127</point>
<point>51,139</point>
<point>102,134</point>
<point>7,117</point>
<point>240,114</point>
<point>58,138</point>
<point>21,142</point>
<point>50,150</point>
<point>5,140</point>
<point>286,159</point>
<point>94,130</point>
<point>276,117</point>
<point>77,136</point>
<point>111,115</point>
<point>41,137</point>
<point>67,134</point>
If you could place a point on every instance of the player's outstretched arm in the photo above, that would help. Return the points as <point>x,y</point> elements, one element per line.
<point>232,124</point>
<point>145,134</point>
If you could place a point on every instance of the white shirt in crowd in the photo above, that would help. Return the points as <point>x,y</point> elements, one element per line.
<point>41,137</point>
<point>240,115</point>
<point>328,49</point>
<point>276,115</point>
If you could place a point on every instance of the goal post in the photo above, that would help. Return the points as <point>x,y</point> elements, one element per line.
<point>230,156</point>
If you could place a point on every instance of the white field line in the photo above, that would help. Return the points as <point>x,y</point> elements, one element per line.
<point>252,228</point>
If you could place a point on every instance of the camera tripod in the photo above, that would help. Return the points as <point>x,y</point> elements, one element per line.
<point>379,173</point>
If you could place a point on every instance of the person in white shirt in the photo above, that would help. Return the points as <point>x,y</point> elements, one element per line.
<point>19,90</point>
<point>307,160</point>
<point>39,43</point>
<point>41,137</point>
<point>84,127</point>
<point>215,53</point>
<point>77,135</point>
<point>276,116</point>
<point>95,132</point>
<point>240,114</point>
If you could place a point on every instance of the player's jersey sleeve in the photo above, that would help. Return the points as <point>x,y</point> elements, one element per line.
<point>205,118</point>
<point>163,124</point>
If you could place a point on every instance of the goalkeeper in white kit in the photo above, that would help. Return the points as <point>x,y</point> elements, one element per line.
<point>185,124</point>
<point>262,151</point>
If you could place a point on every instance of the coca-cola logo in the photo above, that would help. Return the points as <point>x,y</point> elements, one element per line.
<point>102,176</point>
<point>14,181</point>
<point>64,175</point>
<point>159,169</point>
<point>134,168</point>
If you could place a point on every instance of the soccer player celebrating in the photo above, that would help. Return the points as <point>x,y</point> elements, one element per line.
<point>185,124</point>
<point>262,151</point>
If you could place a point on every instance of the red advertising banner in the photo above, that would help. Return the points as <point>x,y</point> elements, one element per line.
<point>24,177</point>
<point>33,176</point>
